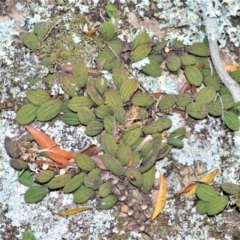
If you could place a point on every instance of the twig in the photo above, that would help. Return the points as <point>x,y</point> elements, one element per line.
<point>210,64</point>
<point>111,49</point>
<point>49,31</point>
<point>211,30</point>
<point>218,95</point>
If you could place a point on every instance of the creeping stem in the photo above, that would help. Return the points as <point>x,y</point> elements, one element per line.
<point>211,30</point>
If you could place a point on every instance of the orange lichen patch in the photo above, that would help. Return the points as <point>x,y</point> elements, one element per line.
<point>231,67</point>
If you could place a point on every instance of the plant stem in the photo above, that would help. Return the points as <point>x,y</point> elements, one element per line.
<point>211,30</point>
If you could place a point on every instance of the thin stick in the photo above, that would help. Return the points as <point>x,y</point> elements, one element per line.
<point>210,64</point>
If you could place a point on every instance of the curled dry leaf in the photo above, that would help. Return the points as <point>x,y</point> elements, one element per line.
<point>92,150</point>
<point>161,198</point>
<point>151,24</point>
<point>73,211</point>
<point>98,161</point>
<point>130,162</point>
<point>206,179</point>
<point>186,86</point>
<point>91,32</point>
<point>132,115</point>
<point>68,68</point>
<point>49,145</point>
<point>186,189</point>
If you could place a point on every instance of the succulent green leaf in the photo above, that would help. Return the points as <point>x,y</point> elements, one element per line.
<point>30,40</point>
<point>112,11</point>
<point>231,120</point>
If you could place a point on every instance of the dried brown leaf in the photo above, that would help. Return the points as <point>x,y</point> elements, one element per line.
<point>15,13</point>
<point>151,24</point>
<point>98,161</point>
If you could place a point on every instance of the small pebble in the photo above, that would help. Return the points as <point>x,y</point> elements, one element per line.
<point>124,209</point>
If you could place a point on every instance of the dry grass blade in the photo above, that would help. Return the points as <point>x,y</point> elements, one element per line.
<point>161,198</point>
<point>73,211</point>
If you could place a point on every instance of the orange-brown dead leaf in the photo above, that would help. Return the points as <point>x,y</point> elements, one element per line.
<point>68,68</point>
<point>201,66</point>
<point>161,198</point>
<point>92,150</point>
<point>130,162</point>
<point>91,32</point>
<point>206,179</point>
<point>186,189</point>
<point>52,149</point>
<point>158,94</point>
<point>193,89</point>
<point>231,67</point>
<point>132,115</point>
<point>184,88</point>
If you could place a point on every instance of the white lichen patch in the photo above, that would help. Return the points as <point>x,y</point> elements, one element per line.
<point>205,142</point>
<point>41,217</point>
<point>8,31</point>
<point>141,63</point>
<point>93,224</point>
<point>189,17</point>
<point>166,84</point>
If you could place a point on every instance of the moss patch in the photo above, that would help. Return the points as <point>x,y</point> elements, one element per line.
<point>60,46</point>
